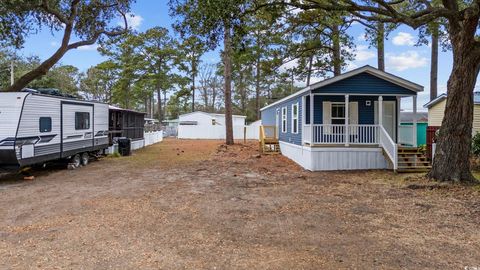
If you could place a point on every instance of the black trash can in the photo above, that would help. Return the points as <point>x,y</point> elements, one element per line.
<point>125,146</point>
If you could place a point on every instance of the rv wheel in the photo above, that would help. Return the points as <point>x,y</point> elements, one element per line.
<point>75,162</point>
<point>85,159</point>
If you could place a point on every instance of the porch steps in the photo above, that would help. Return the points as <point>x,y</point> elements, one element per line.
<point>269,144</point>
<point>411,159</point>
<point>271,148</point>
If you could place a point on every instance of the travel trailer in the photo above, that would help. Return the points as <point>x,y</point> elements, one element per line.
<point>36,128</point>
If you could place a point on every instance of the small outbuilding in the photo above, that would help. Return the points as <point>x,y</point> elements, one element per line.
<point>406,127</point>
<point>202,125</point>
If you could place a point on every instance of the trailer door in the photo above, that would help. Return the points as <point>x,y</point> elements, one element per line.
<point>77,127</point>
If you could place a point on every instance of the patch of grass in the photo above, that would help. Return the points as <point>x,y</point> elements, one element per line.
<point>114,155</point>
<point>476,188</point>
<point>476,174</point>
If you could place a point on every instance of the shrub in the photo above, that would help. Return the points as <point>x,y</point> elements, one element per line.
<point>476,144</point>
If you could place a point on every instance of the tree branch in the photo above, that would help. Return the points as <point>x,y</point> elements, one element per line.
<point>385,12</point>
<point>59,16</point>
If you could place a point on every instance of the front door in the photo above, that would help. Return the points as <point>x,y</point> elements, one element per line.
<point>388,117</point>
<point>77,127</point>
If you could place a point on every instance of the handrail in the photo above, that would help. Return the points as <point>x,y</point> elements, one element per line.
<point>264,135</point>
<point>390,147</point>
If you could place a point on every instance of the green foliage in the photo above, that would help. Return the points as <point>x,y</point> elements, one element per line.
<point>206,19</point>
<point>20,18</point>
<point>476,144</point>
<point>313,36</point>
<point>63,77</point>
<point>99,81</point>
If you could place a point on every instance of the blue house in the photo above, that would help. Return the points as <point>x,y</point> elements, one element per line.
<point>347,122</point>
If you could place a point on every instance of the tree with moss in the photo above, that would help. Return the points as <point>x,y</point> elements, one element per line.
<point>88,21</point>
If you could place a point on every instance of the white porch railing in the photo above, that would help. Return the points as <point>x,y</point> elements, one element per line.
<point>307,133</point>
<point>388,145</point>
<point>329,134</point>
<point>337,134</point>
<point>363,134</point>
<point>405,135</point>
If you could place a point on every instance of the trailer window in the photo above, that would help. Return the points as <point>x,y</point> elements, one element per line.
<point>45,124</point>
<point>82,120</point>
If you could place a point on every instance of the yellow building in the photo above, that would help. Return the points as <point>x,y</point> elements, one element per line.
<point>436,111</point>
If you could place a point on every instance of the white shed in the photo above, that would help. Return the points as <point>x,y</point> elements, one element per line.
<point>202,125</point>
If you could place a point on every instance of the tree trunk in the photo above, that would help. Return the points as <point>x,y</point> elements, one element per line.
<point>159,108</point>
<point>434,64</point>
<point>243,92</point>
<point>337,61</point>
<point>257,89</point>
<point>381,46</point>
<point>451,162</point>
<point>194,70</point>
<point>164,105</point>
<point>214,93</point>
<point>227,62</point>
<point>152,104</point>
<point>309,71</point>
<point>147,109</point>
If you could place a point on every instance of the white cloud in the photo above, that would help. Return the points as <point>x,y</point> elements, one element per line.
<point>405,60</point>
<point>362,37</point>
<point>54,44</point>
<point>289,65</point>
<point>351,66</point>
<point>403,39</point>
<point>134,21</point>
<point>363,53</point>
<point>88,47</point>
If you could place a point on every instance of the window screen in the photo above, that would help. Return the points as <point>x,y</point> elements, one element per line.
<point>82,120</point>
<point>45,124</point>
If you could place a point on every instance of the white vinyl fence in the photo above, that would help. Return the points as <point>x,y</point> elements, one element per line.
<point>149,138</point>
<point>218,132</point>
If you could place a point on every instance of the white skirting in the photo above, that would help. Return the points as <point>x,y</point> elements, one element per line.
<point>335,158</point>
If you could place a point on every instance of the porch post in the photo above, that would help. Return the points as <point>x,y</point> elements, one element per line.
<point>347,131</point>
<point>397,120</point>
<point>311,119</point>
<point>414,121</point>
<point>304,118</point>
<point>380,110</point>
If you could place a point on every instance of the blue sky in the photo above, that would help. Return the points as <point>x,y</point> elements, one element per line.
<point>402,57</point>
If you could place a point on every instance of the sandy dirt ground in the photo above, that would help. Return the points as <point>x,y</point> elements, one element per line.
<point>201,205</point>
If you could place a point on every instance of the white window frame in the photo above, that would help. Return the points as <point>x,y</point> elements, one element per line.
<point>284,120</point>
<point>338,118</point>
<point>295,118</point>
